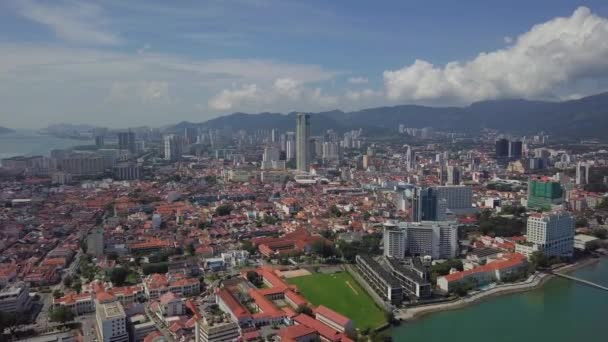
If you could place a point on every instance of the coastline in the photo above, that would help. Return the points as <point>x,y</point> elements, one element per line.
<point>534,282</point>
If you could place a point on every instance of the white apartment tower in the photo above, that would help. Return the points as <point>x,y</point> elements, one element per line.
<point>552,233</point>
<point>394,241</point>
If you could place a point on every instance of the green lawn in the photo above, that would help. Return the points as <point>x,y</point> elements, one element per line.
<point>333,291</point>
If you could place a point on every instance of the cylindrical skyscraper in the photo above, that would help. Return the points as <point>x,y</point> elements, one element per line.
<point>302,137</point>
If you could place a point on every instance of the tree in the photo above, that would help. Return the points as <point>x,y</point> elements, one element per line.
<point>304,309</point>
<point>57,294</point>
<point>113,256</point>
<point>538,260</point>
<point>600,233</point>
<point>118,275</point>
<point>191,250</point>
<point>224,210</point>
<point>67,281</point>
<point>249,247</point>
<point>323,249</point>
<point>334,211</point>
<point>61,314</point>
<point>581,221</point>
<point>11,321</point>
<point>160,267</point>
<point>254,278</point>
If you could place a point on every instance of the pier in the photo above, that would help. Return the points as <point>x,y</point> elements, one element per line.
<point>582,281</point>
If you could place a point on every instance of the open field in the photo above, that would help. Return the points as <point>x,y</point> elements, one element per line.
<point>343,294</point>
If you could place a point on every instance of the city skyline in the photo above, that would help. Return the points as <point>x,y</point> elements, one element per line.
<point>116,64</point>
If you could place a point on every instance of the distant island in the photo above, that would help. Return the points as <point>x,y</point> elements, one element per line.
<point>4,130</point>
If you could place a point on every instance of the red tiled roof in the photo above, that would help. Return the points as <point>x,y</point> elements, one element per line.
<point>332,315</point>
<point>237,308</point>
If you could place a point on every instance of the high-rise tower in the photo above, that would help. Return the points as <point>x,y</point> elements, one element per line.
<point>302,146</point>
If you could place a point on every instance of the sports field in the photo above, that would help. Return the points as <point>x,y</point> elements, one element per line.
<point>343,294</point>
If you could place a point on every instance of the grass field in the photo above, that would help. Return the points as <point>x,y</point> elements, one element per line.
<point>343,294</point>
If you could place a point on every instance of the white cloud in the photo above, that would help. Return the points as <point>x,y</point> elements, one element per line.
<point>228,99</point>
<point>357,80</point>
<point>145,92</point>
<point>73,21</point>
<point>365,94</point>
<point>283,94</point>
<point>554,54</point>
<point>110,88</point>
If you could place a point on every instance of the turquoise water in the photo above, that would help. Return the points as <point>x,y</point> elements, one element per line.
<point>560,311</point>
<point>31,143</point>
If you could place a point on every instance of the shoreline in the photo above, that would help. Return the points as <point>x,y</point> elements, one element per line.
<point>538,281</point>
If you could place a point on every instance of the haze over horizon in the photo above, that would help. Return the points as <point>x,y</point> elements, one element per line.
<point>120,64</point>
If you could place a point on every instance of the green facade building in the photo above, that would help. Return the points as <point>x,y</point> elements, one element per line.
<point>543,194</point>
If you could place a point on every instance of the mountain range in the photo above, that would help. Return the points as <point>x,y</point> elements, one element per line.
<point>4,130</point>
<point>585,117</point>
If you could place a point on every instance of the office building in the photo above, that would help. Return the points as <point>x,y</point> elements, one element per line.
<point>217,329</point>
<point>552,233</point>
<point>140,327</point>
<point>190,135</point>
<point>173,145</point>
<point>126,141</point>
<point>502,148</point>
<point>543,194</point>
<point>111,322</point>
<point>15,298</point>
<point>515,149</point>
<point>582,173</point>
<point>453,175</point>
<point>99,141</point>
<point>427,205</point>
<point>302,142</point>
<point>457,197</point>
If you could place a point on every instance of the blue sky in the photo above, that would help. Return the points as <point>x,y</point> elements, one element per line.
<point>126,63</point>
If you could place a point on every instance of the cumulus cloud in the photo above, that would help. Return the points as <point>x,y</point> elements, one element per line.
<point>72,21</point>
<point>554,54</point>
<point>357,80</point>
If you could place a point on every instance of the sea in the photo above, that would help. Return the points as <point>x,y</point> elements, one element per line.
<point>29,143</point>
<point>560,311</point>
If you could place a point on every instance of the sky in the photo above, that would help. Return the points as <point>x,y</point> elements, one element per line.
<point>118,63</point>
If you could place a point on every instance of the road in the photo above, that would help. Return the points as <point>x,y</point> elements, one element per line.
<point>160,325</point>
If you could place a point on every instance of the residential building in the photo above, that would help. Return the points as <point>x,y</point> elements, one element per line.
<point>395,241</point>
<point>582,173</point>
<point>381,281</point>
<point>413,280</point>
<point>126,141</point>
